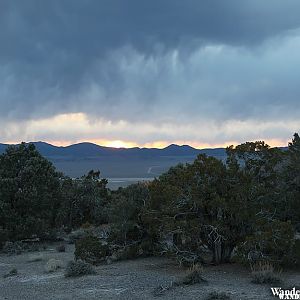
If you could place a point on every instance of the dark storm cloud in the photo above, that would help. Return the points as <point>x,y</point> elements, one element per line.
<point>163,60</point>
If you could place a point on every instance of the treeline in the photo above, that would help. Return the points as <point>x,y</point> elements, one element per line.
<point>248,207</point>
<point>36,200</point>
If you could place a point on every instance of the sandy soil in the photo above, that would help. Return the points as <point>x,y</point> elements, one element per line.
<point>134,279</point>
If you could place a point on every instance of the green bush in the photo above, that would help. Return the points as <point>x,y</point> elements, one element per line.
<point>83,201</point>
<point>16,248</point>
<point>79,268</point>
<point>251,201</point>
<point>293,260</point>
<point>271,240</point>
<point>29,192</point>
<point>124,212</point>
<point>91,250</point>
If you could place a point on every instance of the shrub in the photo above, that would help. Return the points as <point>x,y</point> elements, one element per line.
<point>13,248</point>
<point>12,272</point>
<point>30,182</point>
<point>218,296</point>
<point>273,240</point>
<point>77,235</point>
<point>263,273</point>
<point>293,260</point>
<point>83,202</point>
<point>53,264</point>
<point>91,250</point>
<point>129,252</point>
<point>124,212</point>
<point>79,268</point>
<point>86,225</point>
<point>61,248</point>
<point>16,248</point>
<point>193,276</point>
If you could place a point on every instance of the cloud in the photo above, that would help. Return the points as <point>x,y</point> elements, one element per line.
<point>169,67</point>
<point>66,129</point>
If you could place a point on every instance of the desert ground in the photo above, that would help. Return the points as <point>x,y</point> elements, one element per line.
<point>132,279</point>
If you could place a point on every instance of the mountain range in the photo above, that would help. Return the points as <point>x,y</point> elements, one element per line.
<point>121,166</point>
<point>88,150</point>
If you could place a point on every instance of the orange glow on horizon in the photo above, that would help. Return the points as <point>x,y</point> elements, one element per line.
<point>156,144</point>
<point>117,144</point>
<point>79,128</point>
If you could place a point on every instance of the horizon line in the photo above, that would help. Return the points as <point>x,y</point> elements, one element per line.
<point>166,145</point>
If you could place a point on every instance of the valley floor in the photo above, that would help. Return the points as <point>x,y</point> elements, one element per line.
<point>133,279</point>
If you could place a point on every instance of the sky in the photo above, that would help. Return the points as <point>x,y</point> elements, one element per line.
<point>128,73</point>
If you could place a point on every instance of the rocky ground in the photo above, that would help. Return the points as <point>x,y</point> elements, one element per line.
<point>133,279</point>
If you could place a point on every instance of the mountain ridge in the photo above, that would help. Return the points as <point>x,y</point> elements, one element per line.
<point>122,166</point>
<point>87,149</point>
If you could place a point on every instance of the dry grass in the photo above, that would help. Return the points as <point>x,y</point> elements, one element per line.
<point>263,272</point>
<point>193,276</point>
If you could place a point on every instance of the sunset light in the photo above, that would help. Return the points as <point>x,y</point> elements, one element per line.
<point>136,128</point>
<point>118,144</point>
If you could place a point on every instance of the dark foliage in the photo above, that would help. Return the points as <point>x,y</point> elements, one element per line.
<point>79,268</point>
<point>91,250</point>
<point>251,202</point>
<point>35,199</point>
<point>83,201</point>
<point>29,192</point>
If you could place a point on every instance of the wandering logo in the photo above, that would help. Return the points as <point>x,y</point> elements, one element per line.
<point>286,294</point>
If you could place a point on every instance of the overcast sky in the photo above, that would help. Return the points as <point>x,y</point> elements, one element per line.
<point>149,73</point>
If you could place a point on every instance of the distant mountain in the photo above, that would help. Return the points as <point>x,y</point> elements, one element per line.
<point>121,166</point>
<point>90,150</point>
